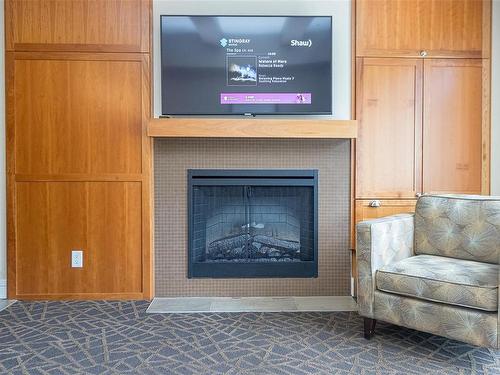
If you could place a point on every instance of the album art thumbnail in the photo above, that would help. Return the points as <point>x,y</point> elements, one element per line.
<point>242,71</point>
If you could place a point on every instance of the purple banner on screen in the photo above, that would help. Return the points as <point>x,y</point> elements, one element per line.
<point>265,98</point>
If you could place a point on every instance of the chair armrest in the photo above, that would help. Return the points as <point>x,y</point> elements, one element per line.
<point>380,242</point>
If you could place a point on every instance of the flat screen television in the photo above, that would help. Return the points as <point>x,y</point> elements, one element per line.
<point>229,65</point>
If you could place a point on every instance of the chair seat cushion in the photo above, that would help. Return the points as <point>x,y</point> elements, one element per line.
<point>441,279</point>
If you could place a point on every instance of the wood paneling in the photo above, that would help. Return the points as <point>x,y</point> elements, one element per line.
<point>251,128</point>
<point>78,155</point>
<point>452,144</point>
<point>77,116</point>
<point>389,108</point>
<point>72,25</point>
<point>486,128</point>
<point>103,219</point>
<point>451,28</point>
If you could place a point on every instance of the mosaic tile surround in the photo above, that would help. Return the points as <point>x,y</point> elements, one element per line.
<point>172,159</point>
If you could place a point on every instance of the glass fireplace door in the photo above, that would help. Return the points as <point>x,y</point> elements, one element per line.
<point>220,216</point>
<point>281,223</point>
<point>244,224</point>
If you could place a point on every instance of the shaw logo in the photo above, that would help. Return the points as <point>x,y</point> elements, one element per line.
<point>301,43</point>
<point>223,42</point>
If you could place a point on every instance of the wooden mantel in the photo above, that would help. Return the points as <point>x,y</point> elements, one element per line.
<point>251,128</point>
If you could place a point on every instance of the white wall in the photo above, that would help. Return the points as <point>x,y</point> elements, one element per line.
<point>495,100</point>
<point>340,10</point>
<point>3,242</point>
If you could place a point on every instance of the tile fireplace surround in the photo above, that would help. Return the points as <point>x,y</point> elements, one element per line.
<point>172,159</point>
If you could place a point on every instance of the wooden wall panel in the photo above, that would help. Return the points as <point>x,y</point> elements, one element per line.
<point>452,28</point>
<point>101,218</point>
<point>452,144</point>
<point>70,25</point>
<point>389,108</point>
<point>77,116</point>
<point>114,235</point>
<point>78,155</point>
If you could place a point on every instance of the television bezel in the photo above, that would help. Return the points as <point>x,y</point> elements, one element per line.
<point>217,114</point>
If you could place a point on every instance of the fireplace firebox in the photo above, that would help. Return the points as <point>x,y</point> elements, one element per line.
<point>252,223</point>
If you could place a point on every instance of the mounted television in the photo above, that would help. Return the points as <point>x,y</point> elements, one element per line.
<point>229,65</point>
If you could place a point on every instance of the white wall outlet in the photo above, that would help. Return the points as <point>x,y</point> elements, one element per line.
<point>77,258</point>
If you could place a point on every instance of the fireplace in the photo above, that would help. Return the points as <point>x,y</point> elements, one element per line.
<point>252,223</point>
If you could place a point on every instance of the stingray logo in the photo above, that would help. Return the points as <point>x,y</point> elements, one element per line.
<point>301,43</point>
<point>223,42</point>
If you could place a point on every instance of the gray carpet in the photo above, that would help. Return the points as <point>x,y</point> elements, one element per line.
<point>119,337</point>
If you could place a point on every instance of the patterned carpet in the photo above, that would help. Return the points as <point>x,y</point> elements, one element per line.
<point>120,338</point>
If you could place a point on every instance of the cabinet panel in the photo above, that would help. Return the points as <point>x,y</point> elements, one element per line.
<point>114,235</point>
<point>389,109</point>
<point>452,132</point>
<point>363,210</point>
<point>77,116</point>
<point>452,28</point>
<point>72,25</point>
<point>101,218</point>
<point>386,27</point>
<point>404,28</point>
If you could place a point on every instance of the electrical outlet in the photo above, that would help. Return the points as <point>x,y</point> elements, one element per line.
<point>77,258</point>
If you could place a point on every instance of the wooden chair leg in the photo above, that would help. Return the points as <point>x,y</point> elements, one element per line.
<point>369,327</point>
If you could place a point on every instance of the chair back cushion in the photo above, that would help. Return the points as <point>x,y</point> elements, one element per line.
<point>458,226</point>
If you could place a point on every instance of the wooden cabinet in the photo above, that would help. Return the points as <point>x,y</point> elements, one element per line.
<point>78,155</point>
<point>77,25</point>
<point>444,28</point>
<point>452,126</point>
<point>407,145</point>
<point>422,101</point>
<point>389,93</point>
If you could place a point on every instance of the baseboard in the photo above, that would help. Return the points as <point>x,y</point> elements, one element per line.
<point>3,288</point>
<point>80,296</point>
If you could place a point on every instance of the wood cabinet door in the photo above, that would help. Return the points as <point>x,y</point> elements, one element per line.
<point>388,146</point>
<point>453,28</point>
<point>452,130</point>
<point>77,25</point>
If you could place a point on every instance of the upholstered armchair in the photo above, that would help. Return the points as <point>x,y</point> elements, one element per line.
<point>436,270</point>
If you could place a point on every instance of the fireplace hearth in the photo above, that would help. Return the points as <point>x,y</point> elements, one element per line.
<point>252,223</point>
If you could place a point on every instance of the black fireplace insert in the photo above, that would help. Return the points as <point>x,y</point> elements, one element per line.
<point>252,223</point>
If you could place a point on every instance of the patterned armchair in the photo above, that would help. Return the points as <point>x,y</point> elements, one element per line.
<point>436,270</point>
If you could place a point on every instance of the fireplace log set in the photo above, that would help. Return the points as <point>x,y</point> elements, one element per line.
<point>247,246</point>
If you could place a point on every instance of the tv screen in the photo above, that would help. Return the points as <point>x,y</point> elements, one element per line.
<point>246,65</point>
